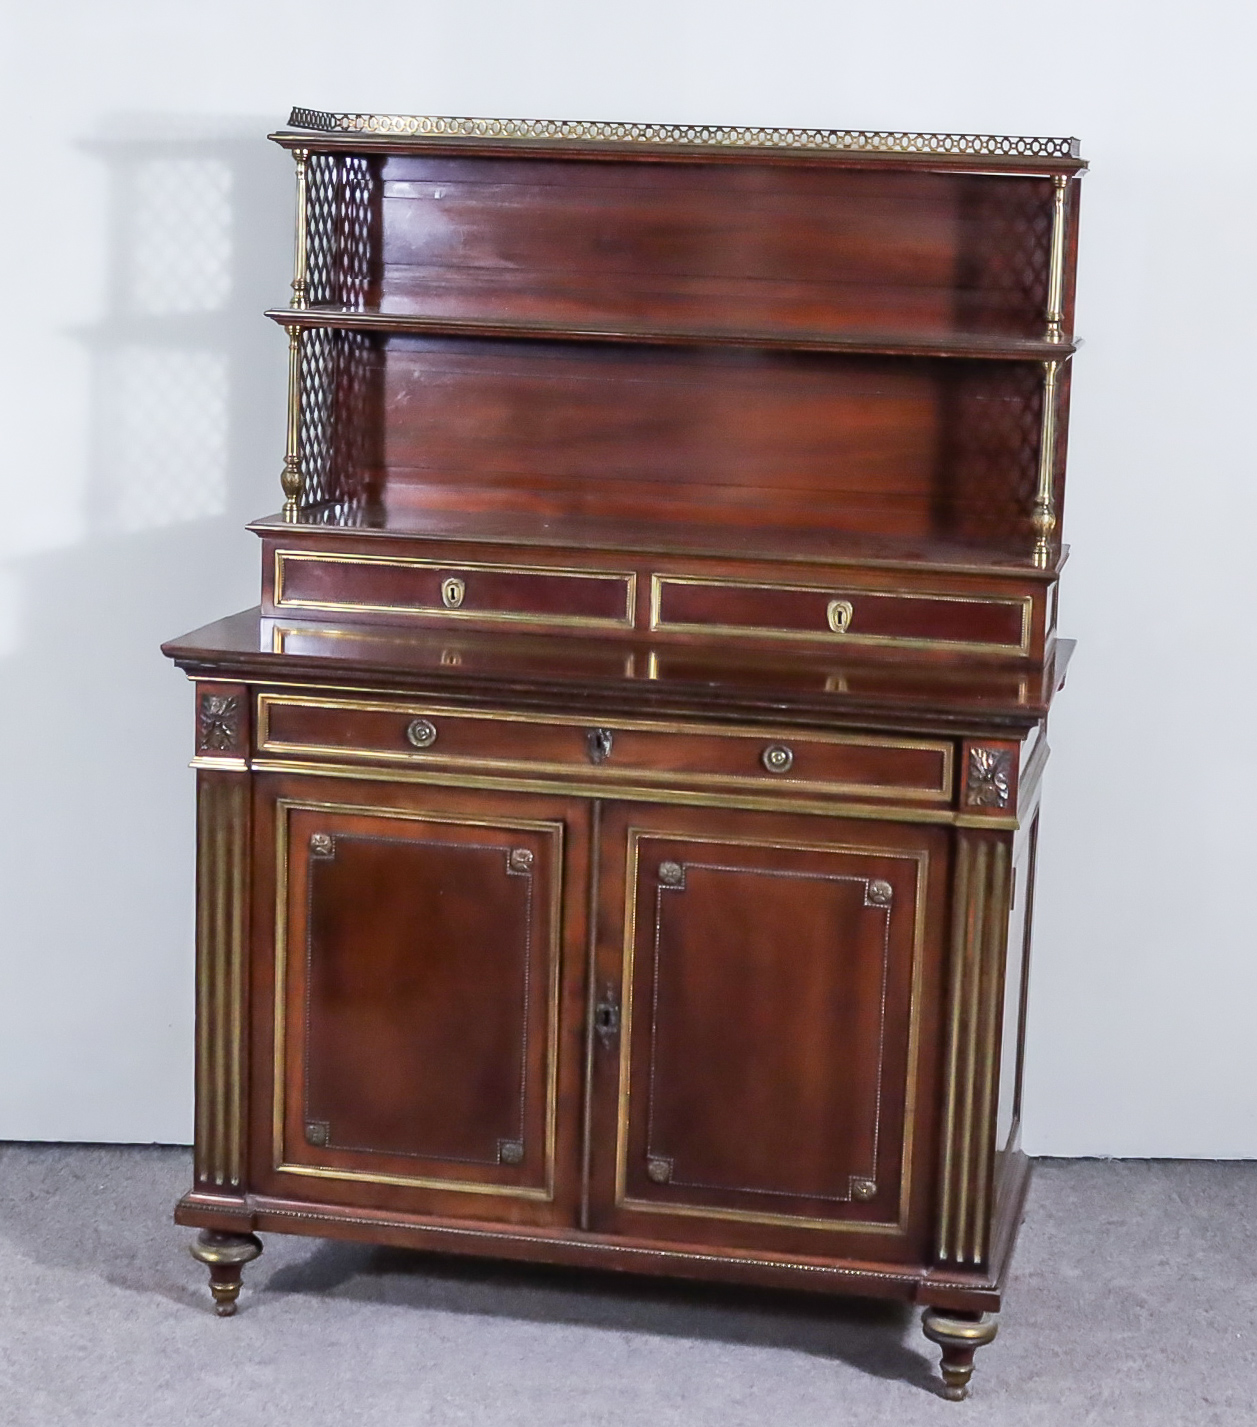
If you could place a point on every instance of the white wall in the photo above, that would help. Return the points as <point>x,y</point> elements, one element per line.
<point>147,223</point>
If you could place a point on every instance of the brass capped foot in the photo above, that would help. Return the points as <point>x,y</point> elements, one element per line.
<point>225,1255</point>
<point>959,1335</point>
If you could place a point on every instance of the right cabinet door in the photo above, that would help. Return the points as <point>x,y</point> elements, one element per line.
<point>763,1046</point>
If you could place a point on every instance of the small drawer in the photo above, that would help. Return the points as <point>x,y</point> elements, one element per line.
<point>842,614</point>
<point>656,754</point>
<point>537,595</point>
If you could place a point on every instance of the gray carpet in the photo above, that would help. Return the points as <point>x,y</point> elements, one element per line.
<point>1133,1301</point>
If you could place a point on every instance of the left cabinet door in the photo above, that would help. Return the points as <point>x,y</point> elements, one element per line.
<point>419,962</point>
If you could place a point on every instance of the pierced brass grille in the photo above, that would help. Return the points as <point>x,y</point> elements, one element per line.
<point>700,135</point>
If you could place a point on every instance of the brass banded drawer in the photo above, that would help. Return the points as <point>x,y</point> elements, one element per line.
<point>768,760</point>
<point>838,613</point>
<point>540,595</point>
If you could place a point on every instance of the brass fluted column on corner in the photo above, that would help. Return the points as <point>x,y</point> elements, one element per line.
<point>221,978</point>
<point>971,1084</point>
<point>290,477</point>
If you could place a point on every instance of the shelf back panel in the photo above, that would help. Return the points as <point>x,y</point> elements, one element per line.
<point>737,438</point>
<point>784,249</point>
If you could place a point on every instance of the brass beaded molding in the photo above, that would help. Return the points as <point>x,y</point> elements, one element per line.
<point>699,135</point>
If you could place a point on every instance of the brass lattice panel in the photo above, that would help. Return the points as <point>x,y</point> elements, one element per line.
<point>686,135</point>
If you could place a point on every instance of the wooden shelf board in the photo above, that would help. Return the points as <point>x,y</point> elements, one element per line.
<point>399,518</point>
<point>955,344</point>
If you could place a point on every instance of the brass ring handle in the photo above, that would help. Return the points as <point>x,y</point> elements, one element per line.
<point>777,758</point>
<point>421,732</point>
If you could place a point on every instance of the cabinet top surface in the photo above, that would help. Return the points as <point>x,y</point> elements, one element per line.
<point>573,673</point>
<point>600,136</point>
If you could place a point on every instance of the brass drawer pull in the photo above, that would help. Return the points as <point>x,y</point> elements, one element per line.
<point>839,615</point>
<point>421,732</point>
<point>777,758</point>
<point>452,592</point>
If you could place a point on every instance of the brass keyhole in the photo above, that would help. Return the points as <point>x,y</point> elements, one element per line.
<point>839,613</point>
<point>599,741</point>
<point>607,1016</point>
<point>452,592</point>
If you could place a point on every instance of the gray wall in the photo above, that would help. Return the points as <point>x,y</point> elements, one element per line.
<point>148,223</point>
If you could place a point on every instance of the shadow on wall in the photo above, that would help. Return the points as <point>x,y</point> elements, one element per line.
<point>186,440</point>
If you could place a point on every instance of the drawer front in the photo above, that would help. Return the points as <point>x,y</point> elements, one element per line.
<point>768,761</point>
<point>540,595</point>
<point>986,624</point>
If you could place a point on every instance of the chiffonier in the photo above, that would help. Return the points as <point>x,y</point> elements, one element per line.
<point>617,821</point>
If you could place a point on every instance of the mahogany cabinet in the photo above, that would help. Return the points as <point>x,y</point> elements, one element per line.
<point>617,819</point>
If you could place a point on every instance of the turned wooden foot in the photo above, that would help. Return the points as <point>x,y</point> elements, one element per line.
<point>959,1335</point>
<point>225,1255</point>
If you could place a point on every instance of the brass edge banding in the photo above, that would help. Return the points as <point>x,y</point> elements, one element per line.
<point>704,135</point>
<point>906,793</point>
<point>744,1216</point>
<point>453,1186</point>
<point>584,621</point>
<point>283,808</point>
<point>627,953</point>
<point>854,1226</point>
<point>626,792</point>
<point>827,636</point>
<point>220,765</point>
<point>591,998</point>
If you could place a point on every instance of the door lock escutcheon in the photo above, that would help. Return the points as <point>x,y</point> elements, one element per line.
<point>838,614</point>
<point>607,1016</point>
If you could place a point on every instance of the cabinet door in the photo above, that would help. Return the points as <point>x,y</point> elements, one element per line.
<point>762,1046</point>
<point>418,976</point>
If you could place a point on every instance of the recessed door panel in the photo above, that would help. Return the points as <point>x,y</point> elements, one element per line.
<point>419,977</point>
<point>763,1080</point>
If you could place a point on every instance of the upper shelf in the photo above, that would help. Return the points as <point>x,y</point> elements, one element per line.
<point>405,319</point>
<point>406,133</point>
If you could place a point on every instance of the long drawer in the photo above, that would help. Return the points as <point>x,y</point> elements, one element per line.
<point>304,726</point>
<point>842,613</point>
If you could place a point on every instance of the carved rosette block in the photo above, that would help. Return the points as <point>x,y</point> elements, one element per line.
<point>222,879</point>
<point>975,991</point>
<point>225,1255</point>
<point>221,720</point>
<point>990,777</point>
<point>959,1337</point>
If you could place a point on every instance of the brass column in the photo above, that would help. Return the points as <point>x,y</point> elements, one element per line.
<point>290,477</point>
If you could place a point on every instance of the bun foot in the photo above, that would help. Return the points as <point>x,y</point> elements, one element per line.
<point>959,1335</point>
<point>225,1255</point>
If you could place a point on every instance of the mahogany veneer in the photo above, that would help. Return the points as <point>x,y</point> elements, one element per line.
<point>617,822</point>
